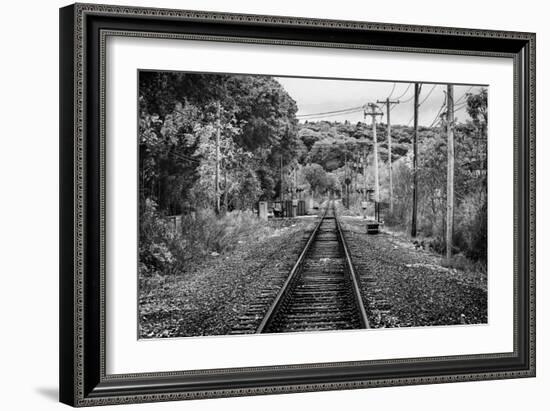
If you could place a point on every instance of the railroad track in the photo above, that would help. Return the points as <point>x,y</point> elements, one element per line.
<point>321,291</point>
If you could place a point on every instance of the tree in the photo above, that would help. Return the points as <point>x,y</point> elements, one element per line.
<point>241,186</point>
<point>477,107</point>
<point>175,108</point>
<point>316,177</point>
<point>333,183</point>
<point>450,171</point>
<point>166,149</point>
<point>309,137</point>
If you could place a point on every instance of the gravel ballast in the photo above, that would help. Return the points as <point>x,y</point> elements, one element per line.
<point>404,286</point>
<point>208,300</point>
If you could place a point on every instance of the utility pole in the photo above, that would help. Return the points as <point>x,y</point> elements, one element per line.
<point>225,189</point>
<point>296,182</point>
<point>347,179</point>
<point>365,173</point>
<point>354,172</point>
<point>417,88</point>
<point>281,188</point>
<point>217,177</point>
<point>450,170</point>
<point>388,104</point>
<point>373,113</point>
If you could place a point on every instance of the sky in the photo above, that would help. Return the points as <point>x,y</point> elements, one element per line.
<point>324,95</point>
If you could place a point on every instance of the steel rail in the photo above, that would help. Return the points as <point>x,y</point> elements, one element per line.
<point>293,272</point>
<point>363,318</point>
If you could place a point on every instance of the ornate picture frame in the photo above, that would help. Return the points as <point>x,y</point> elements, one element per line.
<point>84,29</point>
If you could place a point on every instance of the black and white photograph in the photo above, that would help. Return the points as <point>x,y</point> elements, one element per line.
<point>249,205</point>
<point>288,204</point>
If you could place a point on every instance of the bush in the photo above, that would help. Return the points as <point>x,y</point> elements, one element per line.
<point>471,228</point>
<point>163,249</point>
<point>154,240</point>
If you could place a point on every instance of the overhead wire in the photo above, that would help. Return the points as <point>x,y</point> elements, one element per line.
<point>405,92</point>
<point>392,90</point>
<point>331,112</point>
<point>351,110</point>
<point>435,120</point>
<point>464,95</point>
<point>428,95</point>
<point>334,114</point>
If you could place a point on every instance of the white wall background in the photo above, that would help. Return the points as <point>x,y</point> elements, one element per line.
<point>29,205</point>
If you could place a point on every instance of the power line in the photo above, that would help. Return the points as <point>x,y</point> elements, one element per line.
<point>331,112</point>
<point>351,110</point>
<point>464,95</point>
<point>408,87</point>
<point>428,95</point>
<point>407,100</point>
<point>460,106</point>
<point>335,114</point>
<point>392,90</point>
<point>438,113</point>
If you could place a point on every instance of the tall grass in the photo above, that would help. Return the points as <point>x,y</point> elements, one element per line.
<point>163,248</point>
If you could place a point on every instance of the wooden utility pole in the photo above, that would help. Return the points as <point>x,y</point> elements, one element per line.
<point>225,188</point>
<point>355,172</point>
<point>282,184</point>
<point>365,173</point>
<point>417,88</point>
<point>388,104</point>
<point>373,113</point>
<point>450,170</point>
<point>217,176</point>
<point>295,191</point>
<point>346,175</point>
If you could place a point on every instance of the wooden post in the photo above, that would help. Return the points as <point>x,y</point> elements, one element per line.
<point>225,190</point>
<point>281,188</point>
<point>373,113</point>
<point>365,173</point>
<point>415,154</point>
<point>388,104</point>
<point>217,176</point>
<point>262,210</point>
<point>450,171</point>
<point>346,174</point>
<point>296,182</point>
<point>389,152</point>
<point>375,142</point>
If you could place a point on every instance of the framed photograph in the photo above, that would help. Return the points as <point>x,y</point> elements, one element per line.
<point>261,204</point>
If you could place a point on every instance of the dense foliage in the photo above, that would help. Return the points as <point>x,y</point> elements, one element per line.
<point>182,114</point>
<point>179,114</point>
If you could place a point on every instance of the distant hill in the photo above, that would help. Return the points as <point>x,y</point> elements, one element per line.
<point>328,143</point>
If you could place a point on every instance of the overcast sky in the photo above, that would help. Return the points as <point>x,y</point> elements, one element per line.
<point>321,96</point>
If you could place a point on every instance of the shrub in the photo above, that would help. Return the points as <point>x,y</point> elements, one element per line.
<point>470,234</point>
<point>154,239</point>
<point>163,249</point>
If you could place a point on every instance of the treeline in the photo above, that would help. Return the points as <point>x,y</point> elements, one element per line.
<point>191,125</point>
<point>180,116</point>
<point>260,140</point>
<point>246,128</point>
<point>345,150</point>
